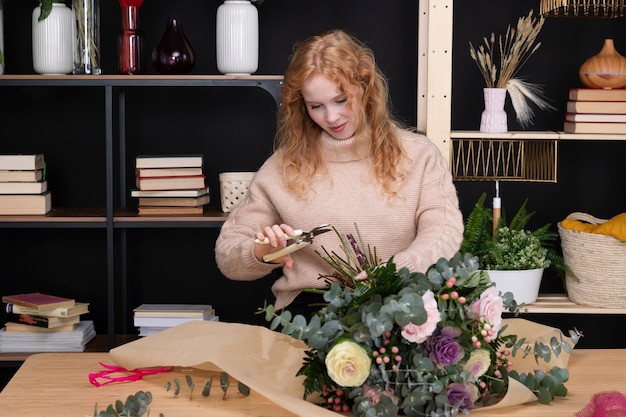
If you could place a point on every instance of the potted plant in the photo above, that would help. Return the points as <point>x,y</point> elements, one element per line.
<point>512,250</point>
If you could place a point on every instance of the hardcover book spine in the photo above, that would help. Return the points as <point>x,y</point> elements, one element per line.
<point>17,309</point>
<point>28,319</point>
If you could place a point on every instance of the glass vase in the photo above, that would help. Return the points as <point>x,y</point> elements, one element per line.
<point>173,54</point>
<point>130,43</point>
<point>87,37</point>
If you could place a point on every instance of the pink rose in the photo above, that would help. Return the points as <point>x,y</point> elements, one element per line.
<point>488,308</point>
<point>374,394</point>
<point>418,333</point>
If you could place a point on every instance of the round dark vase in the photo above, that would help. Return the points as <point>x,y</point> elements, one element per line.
<point>173,54</point>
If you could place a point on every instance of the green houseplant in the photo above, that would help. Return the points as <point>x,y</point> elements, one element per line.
<point>512,247</point>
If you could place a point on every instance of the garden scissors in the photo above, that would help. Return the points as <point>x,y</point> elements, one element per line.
<point>300,238</point>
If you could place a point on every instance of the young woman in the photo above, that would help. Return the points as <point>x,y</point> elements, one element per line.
<point>340,159</point>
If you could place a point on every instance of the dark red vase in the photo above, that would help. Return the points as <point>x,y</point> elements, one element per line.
<point>130,43</point>
<point>173,54</point>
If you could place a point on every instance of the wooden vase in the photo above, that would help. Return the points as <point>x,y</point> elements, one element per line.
<point>607,69</point>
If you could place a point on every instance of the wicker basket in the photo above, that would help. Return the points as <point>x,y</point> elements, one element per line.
<point>599,262</point>
<point>233,188</point>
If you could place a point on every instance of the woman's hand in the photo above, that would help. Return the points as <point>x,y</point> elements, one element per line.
<point>277,237</point>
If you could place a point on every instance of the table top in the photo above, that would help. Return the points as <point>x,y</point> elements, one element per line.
<point>57,385</point>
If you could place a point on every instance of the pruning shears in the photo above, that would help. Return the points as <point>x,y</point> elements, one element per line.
<point>300,238</point>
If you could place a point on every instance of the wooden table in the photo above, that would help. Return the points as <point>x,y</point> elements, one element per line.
<point>56,385</point>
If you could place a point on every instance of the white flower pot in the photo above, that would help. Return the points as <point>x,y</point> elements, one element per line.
<point>53,40</point>
<point>523,284</point>
<point>237,37</point>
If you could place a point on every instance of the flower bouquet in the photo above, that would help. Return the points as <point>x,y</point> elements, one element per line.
<point>395,342</point>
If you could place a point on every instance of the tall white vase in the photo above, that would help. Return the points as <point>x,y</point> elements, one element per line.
<point>237,37</point>
<point>53,38</point>
<point>493,118</point>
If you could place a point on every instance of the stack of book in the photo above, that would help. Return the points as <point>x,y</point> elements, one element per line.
<point>170,184</point>
<point>23,186</point>
<point>37,322</point>
<point>596,110</point>
<point>153,318</point>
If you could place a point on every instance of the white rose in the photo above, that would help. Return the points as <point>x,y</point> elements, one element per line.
<point>348,364</point>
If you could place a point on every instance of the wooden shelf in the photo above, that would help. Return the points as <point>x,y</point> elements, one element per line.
<point>560,304</point>
<point>533,135</point>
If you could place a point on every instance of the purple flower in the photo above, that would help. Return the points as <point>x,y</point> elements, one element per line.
<point>443,348</point>
<point>358,252</point>
<point>462,396</point>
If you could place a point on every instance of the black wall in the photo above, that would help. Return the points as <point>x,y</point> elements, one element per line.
<point>234,129</point>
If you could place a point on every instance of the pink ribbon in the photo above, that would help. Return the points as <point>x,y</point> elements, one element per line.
<point>131,375</point>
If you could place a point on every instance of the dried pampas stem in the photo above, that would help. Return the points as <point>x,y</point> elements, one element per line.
<point>521,92</point>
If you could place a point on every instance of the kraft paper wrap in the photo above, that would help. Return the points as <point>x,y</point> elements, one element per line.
<point>267,361</point>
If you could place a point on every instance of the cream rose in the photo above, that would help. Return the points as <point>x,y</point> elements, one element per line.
<point>348,364</point>
<point>478,363</point>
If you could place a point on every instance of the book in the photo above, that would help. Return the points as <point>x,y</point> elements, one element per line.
<point>18,161</point>
<point>616,107</point>
<point>169,161</point>
<point>21,175</point>
<point>204,311</point>
<point>163,321</point>
<point>150,330</point>
<point>170,193</point>
<point>74,341</point>
<point>19,327</point>
<point>23,187</point>
<point>163,210</point>
<point>175,201</point>
<point>25,203</point>
<point>597,94</point>
<point>167,172</point>
<point>595,117</point>
<point>76,310</point>
<point>38,301</point>
<point>169,183</point>
<point>41,321</point>
<point>594,127</point>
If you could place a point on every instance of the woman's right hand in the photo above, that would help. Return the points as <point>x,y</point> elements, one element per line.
<point>276,235</point>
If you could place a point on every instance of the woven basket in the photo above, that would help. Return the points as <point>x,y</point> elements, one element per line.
<point>599,262</point>
<point>233,188</point>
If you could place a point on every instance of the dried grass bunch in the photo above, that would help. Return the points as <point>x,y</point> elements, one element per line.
<point>513,51</point>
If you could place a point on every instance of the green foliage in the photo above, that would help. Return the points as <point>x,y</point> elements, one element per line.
<point>46,8</point>
<point>206,390</point>
<point>138,405</point>
<point>513,247</point>
<point>545,386</point>
<point>135,406</point>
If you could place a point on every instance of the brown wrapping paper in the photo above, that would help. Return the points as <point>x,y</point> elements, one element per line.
<point>267,361</point>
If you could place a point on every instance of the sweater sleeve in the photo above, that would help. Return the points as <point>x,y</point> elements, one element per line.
<point>234,245</point>
<point>438,217</point>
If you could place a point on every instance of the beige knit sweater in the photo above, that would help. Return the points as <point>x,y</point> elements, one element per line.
<point>417,228</point>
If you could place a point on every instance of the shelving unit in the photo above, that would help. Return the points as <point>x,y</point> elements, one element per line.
<point>118,219</point>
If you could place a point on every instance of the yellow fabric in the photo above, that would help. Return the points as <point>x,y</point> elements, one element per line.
<point>615,227</point>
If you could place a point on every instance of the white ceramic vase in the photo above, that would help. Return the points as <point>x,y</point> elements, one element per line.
<point>523,284</point>
<point>493,118</point>
<point>53,40</point>
<point>237,37</point>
